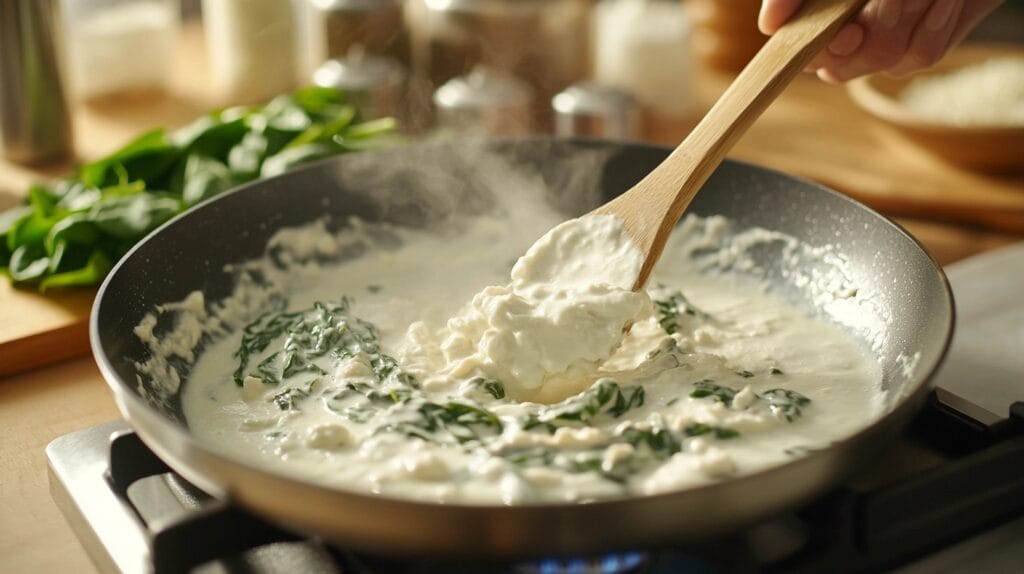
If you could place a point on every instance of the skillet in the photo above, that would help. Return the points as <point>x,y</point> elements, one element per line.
<point>902,310</point>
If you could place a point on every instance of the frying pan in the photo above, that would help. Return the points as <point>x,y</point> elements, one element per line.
<point>902,310</point>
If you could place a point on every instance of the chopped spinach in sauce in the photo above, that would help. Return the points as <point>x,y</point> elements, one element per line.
<point>313,341</point>
<point>671,307</point>
<point>783,403</point>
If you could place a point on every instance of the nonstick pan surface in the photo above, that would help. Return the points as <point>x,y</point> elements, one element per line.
<point>902,310</point>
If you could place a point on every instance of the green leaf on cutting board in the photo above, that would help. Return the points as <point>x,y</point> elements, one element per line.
<point>94,270</point>
<point>210,136</point>
<point>292,157</point>
<point>204,178</point>
<point>71,232</point>
<point>246,158</point>
<point>133,216</point>
<point>147,157</point>
<point>28,263</point>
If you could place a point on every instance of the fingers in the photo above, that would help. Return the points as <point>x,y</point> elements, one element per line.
<point>889,12</point>
<point>931,39</point>
<point>847,41</point>
<point>774,13</point>
<point>898,36</point>
<point>888,31</point>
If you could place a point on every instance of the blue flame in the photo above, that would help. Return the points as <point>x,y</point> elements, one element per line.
<point>614,563</point>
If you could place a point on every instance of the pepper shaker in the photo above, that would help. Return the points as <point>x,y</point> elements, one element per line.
<point>35,124</point>
<point>485,101</point>
<point>375,84</point>
<point>590,110</point>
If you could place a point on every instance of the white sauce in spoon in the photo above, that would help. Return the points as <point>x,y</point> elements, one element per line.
<point>543,334</point>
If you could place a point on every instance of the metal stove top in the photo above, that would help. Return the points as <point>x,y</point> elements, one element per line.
<point>951,491</point>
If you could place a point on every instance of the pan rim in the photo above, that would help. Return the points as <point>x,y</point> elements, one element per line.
<point>131,403</point>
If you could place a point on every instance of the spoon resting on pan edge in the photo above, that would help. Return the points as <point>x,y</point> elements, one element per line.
<point>652,207</point>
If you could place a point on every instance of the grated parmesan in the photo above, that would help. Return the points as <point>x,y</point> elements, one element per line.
<point>990,93</point>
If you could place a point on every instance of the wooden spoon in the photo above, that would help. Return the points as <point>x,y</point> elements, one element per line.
<point>653,206</point>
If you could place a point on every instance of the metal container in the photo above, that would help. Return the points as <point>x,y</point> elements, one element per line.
<point>376,25</point>
<point>485,101</point>
<point>35,125</point>
<point>545,43</point>
<point>375,84</point>
<point>591,110</point>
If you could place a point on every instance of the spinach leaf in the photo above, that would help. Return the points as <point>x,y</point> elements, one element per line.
<point>592,402</point>
<point>204,178</point>
<point>288,399</point>
<point>699,429</point>
<point>291,157</point>
<point>246,158</point>
<point>76,228</point>
<point>130,192</point>
<point>785,403</point>
<point>672,307</point>
<point>707,388</point>
<point>147,157</point>
<point>28,262</point>
<point>94,270</point>
<point>133,216</point>
<point>781,402</point>
<point>210,136</point>
<point>661,443</point>
<point>494,387</point>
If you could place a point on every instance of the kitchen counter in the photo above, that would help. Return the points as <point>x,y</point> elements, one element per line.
<point>813,131</point>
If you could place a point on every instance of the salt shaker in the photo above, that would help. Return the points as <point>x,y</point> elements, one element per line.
<point>374,84</point>
<point>544,43</point>
<point>34,121</point>
<point>486,101</point>
<point>591,110</point>
<point>252,48</point>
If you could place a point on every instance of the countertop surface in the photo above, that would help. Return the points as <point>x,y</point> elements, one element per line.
<point>814,131</point>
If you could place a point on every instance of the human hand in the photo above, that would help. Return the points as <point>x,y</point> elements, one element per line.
<point>895,36</point>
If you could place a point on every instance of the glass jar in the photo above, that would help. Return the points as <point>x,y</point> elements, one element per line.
<point>252,48</point>
<point>725,34</point>
<point>120,46</point>
<point>378,26</point>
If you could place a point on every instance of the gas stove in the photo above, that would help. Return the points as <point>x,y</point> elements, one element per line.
<point>948,495</point>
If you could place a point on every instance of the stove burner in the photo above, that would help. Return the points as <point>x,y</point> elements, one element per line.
<point>133,514</point>
<point>614,563</point>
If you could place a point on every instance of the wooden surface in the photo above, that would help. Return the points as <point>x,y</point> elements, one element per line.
<point>813,130</point>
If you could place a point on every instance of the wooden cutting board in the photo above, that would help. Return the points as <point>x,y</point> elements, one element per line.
<point>814,130</point>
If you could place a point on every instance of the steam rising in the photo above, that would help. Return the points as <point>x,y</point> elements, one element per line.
<point>435,188</point>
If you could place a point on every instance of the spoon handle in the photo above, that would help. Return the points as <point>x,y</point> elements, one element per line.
<point>654,205</point>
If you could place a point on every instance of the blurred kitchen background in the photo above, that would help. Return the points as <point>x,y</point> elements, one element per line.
<point>608,68</point>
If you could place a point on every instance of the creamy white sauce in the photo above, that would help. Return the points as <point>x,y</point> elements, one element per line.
<point>543,334</point>
<point>710,389</point>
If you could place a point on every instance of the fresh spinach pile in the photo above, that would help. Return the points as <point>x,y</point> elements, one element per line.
<point>71,232</point>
